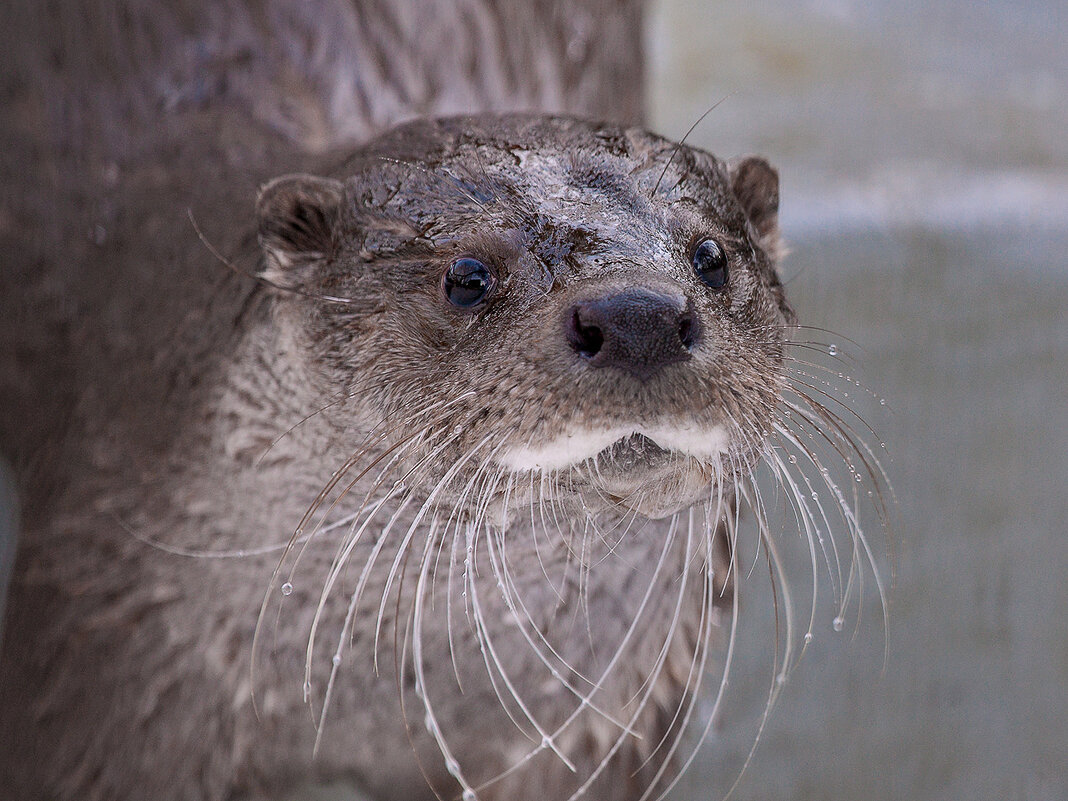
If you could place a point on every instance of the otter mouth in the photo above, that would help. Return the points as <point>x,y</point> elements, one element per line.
<point>619,450</point>
<point>633,452</point>
<point>654,471</point>
<point>639,474</point>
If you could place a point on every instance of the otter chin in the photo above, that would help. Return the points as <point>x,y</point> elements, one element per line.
<point>653,474</point>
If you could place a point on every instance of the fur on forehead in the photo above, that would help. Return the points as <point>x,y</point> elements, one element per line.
<point>424,179</point>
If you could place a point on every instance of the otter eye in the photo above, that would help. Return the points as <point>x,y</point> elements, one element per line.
<point>710,263</point>
<point>467,282</point>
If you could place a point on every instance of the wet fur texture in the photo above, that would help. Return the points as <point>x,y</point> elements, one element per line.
<point>432,567</point>
<point>299,516</point>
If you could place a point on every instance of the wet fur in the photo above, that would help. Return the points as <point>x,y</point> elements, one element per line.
<point>323,459</point>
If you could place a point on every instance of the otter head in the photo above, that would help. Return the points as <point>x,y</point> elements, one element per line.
<point>514,301</point>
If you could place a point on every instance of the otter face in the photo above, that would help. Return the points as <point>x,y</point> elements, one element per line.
<point>542,298</point>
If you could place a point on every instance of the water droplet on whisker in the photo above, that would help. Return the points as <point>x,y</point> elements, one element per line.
<point>833,350</point>
<point>838,623</point>
<point>808,637</point>
<point>287,588</point>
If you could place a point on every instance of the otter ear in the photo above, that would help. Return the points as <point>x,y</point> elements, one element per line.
<point>296,216</point>
<point>756,185</point>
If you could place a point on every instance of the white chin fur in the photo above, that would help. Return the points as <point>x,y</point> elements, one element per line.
<point>575,447</point>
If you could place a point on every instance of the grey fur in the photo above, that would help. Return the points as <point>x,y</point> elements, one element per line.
<point>147,654</point>
<point>172,421</point>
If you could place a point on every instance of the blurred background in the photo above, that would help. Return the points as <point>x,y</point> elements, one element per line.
<point>923,157</point>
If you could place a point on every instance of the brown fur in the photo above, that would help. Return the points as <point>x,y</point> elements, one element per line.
<point>164,408</point>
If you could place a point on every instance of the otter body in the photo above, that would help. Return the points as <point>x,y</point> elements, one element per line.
<point>414,463</point>
<point>447,496</point>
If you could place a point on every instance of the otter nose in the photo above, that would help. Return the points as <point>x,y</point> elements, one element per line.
<point>636,330</point>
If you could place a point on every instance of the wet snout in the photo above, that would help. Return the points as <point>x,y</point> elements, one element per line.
<point>636,329</point>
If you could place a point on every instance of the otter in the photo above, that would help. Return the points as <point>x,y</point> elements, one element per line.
<point>500,380</point>
<point>415,463</point>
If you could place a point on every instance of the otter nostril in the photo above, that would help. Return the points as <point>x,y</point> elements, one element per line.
<point>585,339</point>
<point>687,331</point>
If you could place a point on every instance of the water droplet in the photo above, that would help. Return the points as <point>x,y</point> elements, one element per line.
<point>859,479</point>
<point>815,496</point>
<point>838,623</point>
<point>808,637</point>
<point>469,795</point>
<point>882,401</point>
<point>453,767</point>
<point>307,691</point>
<point>870,494</point>
<point>336,660</point>
<point>287,588</point>
<point>299,532</point>
<point>833,350</point>
<point>780,679</point>
<point>792,459</point>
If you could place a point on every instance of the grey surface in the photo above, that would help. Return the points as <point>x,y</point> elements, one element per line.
<point>925,197</point>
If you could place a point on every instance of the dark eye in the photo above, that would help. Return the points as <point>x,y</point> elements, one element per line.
<point>710,263</point>
<point>467,282</point>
